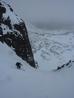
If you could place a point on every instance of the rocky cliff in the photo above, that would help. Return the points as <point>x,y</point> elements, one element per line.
<point>14,33</point>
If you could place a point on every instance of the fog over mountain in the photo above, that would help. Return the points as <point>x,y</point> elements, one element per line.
<point>46,14</point>
<point>49,50</point>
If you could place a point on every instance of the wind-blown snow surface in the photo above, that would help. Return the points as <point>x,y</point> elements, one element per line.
<point>30,83</point>
<point>51,48</point>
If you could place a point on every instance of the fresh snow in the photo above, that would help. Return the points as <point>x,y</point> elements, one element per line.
<point>50,51</point>
<point>13,17</point>
<point>51,48</point>
<point>31,83</point>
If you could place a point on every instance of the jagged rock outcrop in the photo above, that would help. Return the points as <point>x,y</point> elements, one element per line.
<point>14,33</point>
<point>68,64</point>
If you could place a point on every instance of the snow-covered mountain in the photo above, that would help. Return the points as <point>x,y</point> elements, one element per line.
<point>51,48</point>
<point>53,51</point>
<point>14,33</point>
<point>30,83</point>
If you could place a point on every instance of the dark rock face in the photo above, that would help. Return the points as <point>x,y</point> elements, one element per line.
<point>14,33</point>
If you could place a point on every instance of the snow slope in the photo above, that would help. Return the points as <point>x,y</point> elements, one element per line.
<point>51,48</point>
<point>30,83</point>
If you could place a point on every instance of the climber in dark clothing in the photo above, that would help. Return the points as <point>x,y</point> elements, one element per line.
<point>18,65</point>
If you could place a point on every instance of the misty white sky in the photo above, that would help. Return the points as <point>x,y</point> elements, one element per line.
<point>45,13</point>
